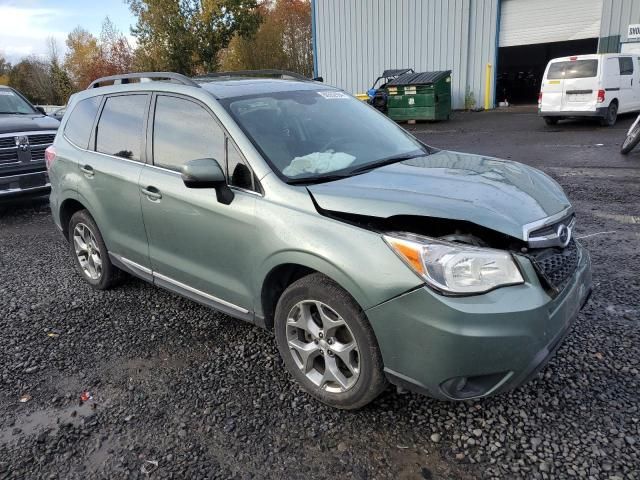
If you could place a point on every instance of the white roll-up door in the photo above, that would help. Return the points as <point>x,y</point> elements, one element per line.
<point>525,22</point>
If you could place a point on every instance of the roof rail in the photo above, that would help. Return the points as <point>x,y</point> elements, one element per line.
<point>253,73</point>
<point>125,77</point>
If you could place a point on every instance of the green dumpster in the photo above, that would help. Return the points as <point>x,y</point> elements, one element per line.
<point>420,96</point>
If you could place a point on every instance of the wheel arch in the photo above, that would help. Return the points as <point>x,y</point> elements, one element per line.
<point>287,267</point>
<point>67,208</point>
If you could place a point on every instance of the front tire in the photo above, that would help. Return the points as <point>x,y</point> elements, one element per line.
<point>90,254</point>
<point>327,344</point>
<point>551,120</point>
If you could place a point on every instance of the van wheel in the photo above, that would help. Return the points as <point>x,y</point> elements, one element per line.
<point>327,343</point>
<point>90,253</point>
<point>551,120</point>
<point>609,120</point>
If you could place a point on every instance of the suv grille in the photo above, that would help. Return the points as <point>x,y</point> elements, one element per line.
<point>555,266</point>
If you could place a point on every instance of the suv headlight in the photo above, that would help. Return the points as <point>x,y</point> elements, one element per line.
<point>455,267</point>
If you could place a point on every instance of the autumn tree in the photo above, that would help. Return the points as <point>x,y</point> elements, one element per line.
<point>90,57</point>
<point>186,36</point>
<point>283,40</point>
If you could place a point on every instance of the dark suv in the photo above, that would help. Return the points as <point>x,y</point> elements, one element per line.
<point>25,132</point>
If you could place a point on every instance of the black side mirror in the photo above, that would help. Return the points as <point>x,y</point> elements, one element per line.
<point>318,79</point>
<point>207,173</point>
<point>41,110</point>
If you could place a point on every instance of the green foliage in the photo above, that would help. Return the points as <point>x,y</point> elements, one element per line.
<point>186,36</point>
<point>283,40</point>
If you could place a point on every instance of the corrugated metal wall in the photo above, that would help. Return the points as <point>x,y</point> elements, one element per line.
<point>616,17</point>
<point>356,40</point>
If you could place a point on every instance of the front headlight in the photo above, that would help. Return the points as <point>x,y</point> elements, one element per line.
<point>455,267</point>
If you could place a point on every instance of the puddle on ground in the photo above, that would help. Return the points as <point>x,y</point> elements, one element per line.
<point>48,419</point>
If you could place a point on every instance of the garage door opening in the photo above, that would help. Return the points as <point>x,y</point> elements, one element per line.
<point>520,68</point>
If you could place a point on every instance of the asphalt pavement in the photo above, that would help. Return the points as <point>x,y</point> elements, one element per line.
<point>174,390</point>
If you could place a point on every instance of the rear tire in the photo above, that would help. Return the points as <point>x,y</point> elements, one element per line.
<point>631,141</point>
<point>609,120</point>
<point>327,344</point>
<point>90,254</point>
<point>551,120</point>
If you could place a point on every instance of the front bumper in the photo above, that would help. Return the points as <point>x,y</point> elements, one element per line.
<point>24,184</point>
<point>459,348</point>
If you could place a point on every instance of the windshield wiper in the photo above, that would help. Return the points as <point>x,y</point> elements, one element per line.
<point>318,179</point>
<point>385,161</point>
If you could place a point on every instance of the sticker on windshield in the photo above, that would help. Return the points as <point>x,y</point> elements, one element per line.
<point>332,95</point>
<point>7,93</point>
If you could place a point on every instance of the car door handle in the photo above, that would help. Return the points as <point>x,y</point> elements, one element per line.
<point>152,193</point>
<point>87,170</point>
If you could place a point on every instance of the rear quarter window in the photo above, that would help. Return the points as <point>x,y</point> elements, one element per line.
<point>78,127</point>
<point>573,69</point>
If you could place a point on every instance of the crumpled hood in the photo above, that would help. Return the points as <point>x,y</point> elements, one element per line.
<point>27,123</point>
<point>496,194</point>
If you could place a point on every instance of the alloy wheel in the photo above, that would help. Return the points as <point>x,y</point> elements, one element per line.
<point>323,346</point>
<point>87,251</point>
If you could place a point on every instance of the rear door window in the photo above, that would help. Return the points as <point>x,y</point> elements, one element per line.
<point>626,65</point>
<point>184,130</point>
<point>121,126</point>
<point>78,127</point>
<point>573,69</point>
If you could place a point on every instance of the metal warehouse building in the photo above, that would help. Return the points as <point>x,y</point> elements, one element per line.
<point>355,40</point>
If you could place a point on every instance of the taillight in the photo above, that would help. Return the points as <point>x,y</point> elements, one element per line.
<point>49,156</point>
<point>539,97</point>
<point>600,96</point>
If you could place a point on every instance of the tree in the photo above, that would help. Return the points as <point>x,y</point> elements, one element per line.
<point>186,36</point>
<point>82,55</point>
<point>89,57</point>
<point>61,86</point>
<point>31,78</point>
<point>5,68</point>
<point>283,40</point>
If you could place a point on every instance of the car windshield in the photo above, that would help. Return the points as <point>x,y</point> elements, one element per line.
<point>573,69</point>
<point>313,135</point>
<point>11,102</point>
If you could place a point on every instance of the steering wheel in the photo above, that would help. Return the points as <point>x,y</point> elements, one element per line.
<point>343,138</point>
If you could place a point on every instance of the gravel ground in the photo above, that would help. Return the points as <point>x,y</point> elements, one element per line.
<point>185,392</point>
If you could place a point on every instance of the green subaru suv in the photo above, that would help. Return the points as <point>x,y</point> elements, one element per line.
<point>287,203</point>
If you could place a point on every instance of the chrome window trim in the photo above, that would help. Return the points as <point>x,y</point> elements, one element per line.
<point>530,227</point>
<point>258,194</point>
<point>200,293</point>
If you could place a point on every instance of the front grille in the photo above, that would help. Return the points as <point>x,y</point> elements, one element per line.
<point>41,139</point>
<point>555,266</point>
<point>8,156</point>
<point>551,229</point>
<point>37,153</point>
<point>7,142</point>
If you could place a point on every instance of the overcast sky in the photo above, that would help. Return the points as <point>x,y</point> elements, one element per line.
<point>26,24</point>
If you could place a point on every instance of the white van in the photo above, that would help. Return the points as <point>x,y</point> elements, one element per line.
<point>601,85</point>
